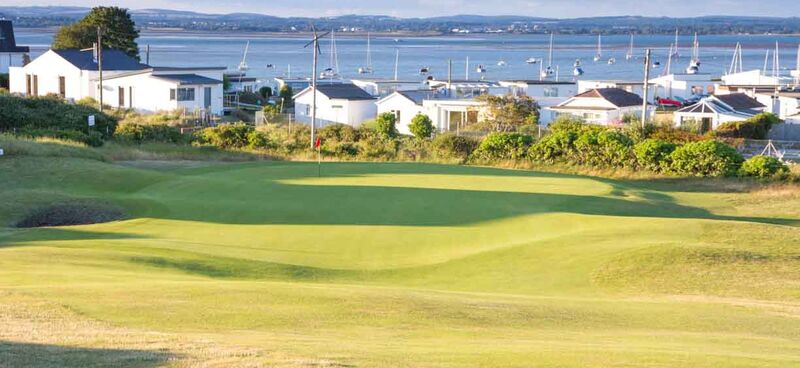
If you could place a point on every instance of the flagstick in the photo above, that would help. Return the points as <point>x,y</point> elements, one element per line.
<point>319,160</point>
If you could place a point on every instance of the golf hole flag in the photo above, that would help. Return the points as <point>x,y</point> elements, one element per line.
<point>318,146</point>
<point>318,143</point>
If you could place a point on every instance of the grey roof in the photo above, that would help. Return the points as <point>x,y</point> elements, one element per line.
<point>712,106</point>
<point>112,60</point>
<point>187,79</point>
<point>419,96</point>
<point>184,68</point>
<point>344,91</point>
<point>7,41</point>
<point>537,82</point>
<point>740,101</point>
<point>618,97</point>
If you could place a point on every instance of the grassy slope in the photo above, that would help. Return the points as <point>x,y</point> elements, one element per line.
<point>403,265</point>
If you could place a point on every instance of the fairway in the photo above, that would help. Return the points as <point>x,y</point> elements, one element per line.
<point>398,265</point>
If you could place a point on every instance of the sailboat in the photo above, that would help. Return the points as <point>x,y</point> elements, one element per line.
<point>532,60</point>
<point>547,72</point>
<point>367,69</point>
<point>502,63</point>
<point>629,54</point>
<point>599,54</point>
<point>332,71</point>
<point>577,71</point>
<point>694,64</point>
<point>675,52</point>
<point>736,61</point>
<point>243,64</point>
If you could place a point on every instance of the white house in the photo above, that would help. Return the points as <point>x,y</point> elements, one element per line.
<point>681,86</point>
<point>603,106</point>
<point>636,87</point>
<point>240,82</point>
<point>753,78</point>
<point>715,110</point>
<point>452,115</point>
<point>538,89</point>
<point>342,103</point>
<point>70,74</point>
<point>166,89</point>
<point>405,105</point>
<point>780,103</point>
<point>10,53</point>
<point>385,87</point>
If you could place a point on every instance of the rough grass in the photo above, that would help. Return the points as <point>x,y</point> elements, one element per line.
<point>404,265</point>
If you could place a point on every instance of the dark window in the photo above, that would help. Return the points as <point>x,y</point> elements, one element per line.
<point>121,100</point>
<point>172,94</point>
<point>62,87</point>
<point>35,85</point>
<point>28,87</point>
<point>185,94</point>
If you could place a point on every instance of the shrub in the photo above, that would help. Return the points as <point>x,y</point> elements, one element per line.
<point>288,138</point>
<point>256,139</point>
<point>653,154</point>
<point>339,139</point>
<point>674,135</point>
<point>614,149</point>
<point>225,136</point>
<point>553,146</point>
<point>421,126</point>
<point>265,92</point>
<point>763,167</point>
<point>385,125</point>
<point>374,145</point>
<point>706,158</point>
<point>140,133</point>
<point>450,146</point>
<point>48,113</point>
<point>756,127</point>
<point>90,138</point>
<point>503,146</point>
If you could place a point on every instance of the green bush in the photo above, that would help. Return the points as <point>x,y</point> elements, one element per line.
<point>449,146</point>
<point>256,139</point>
<point>421,126</point>
<point>374,145</point>
<point>553,147</point>
<point>653,154</point>
<point>763,167</point>
<point>706,158</point>
<point>265,92</point>
<point>90,138</point>
<point>756,127</point>
<point>225,136</point>
<point>50,113</point>
<point>339,140</point>
<point>140,133</point>
<point>503,146</point>
<point>385,125</point>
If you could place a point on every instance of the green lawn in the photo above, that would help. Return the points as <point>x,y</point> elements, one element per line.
<point>410,265</point>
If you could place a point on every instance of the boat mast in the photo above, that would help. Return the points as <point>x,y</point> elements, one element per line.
<point>776,61</point>
<point>369,54</point>
<point>466,70</point>
<point>766,59</point>
<point>396,62</point>
<point>629,55</point>
<point>676,43</point>
<point>736,61</point>
<point>550,52</point>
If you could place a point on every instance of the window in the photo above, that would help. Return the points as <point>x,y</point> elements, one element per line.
<point>35,85</point>
<point>396,115</point>
<point>121,97</point>
<point>28,86</point>
<point>551,92</point>
<point>62,87</point>
<point>308,110</point>
<point>181,94</point>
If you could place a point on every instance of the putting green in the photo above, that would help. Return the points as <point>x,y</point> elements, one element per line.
<point>398,265</point>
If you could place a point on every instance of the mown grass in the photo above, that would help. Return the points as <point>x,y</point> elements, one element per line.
<point>406,265</point>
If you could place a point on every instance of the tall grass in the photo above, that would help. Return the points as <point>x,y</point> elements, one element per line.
<point>47,147</point>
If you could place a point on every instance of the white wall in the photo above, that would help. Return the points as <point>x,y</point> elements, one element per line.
<point>353,113</point>
<point>151,94</point>
<point>407,108</point>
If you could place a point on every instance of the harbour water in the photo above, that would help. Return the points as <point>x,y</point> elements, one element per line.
<point>285,53</point>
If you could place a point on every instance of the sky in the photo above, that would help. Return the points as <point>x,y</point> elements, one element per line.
<point>428,8</point>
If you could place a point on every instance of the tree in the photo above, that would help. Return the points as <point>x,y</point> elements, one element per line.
<point>508,113</point>
<point>119,31</point>
<point>265,91</point>
<point>287,95</point>
<point>421,126</point>
<point>385,125</point>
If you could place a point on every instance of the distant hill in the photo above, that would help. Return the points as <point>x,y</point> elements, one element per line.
<point>37,16</point>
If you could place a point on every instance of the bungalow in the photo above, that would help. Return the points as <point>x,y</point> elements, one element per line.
<point>342,103</point>
<point>539,89</point>
<point>682,87</point>
<point>196,89</point>
<point>240,82</point>
<point>70,74</point>
<point>405,105</point>
<point>753,78</point>
<point>10,53</point>
<point>385,87</point>
<point>467,88</point>
<point>452,115</point>
<point>603,106</point>
<point>715,110</point>
<point>635,87</point>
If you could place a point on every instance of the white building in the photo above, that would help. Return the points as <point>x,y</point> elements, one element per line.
<point>682,87</point>
<point>715,110</point>
<point>635,87</point>
<point>70,74</point>
<point>341,103</point>
<point>240,82</point>
<point>603,106</point>
<point>446,114</point>
<point>405,105</point>
<point>384,87</point>
<point>10,53</point>
<point>754,78</point>
<point>167,89</point>
<point>780,103</point>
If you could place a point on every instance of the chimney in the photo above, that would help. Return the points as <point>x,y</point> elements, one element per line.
<point>94,52</point>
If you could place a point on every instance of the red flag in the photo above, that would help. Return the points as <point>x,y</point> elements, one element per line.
<point>318,143</point>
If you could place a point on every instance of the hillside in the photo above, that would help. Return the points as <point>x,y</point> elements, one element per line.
<point>402,265</point>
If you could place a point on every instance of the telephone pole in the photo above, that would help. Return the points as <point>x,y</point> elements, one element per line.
<point>100,63</point>
<point>646,81</point>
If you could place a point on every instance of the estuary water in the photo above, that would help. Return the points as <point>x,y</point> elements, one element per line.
<point>277,55</point>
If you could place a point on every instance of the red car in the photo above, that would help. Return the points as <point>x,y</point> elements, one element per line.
<point>668,102</point>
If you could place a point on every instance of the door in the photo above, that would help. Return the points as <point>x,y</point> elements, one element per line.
<point>62,87</point>
<point>207,98</point>
<point>121,93</point>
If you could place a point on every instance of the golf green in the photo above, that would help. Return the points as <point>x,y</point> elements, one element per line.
<point>384,264</point>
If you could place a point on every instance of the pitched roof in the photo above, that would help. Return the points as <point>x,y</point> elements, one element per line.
<point>710,105</point>
<point>7,41</point>
<point>112,60</point>
<point>343,91</point>
<point>740,101</point>
<point>616,96</point>
<point>187,79</point>
<point>419,96</point>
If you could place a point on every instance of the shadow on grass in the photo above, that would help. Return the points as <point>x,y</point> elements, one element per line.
<point>15,354</point>
<point>57,234</point>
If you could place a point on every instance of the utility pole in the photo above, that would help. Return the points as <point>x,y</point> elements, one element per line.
<point>100,63</point>
<point>646,81</point>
